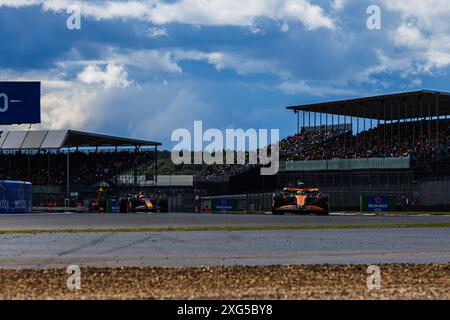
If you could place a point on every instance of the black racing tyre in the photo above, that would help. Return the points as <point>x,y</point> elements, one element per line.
<point>326,212</point>
<point>276,203</point>
<point>123,205</point>
<point>132,204</point>
<point>323,202</point>
<point>323,199</point>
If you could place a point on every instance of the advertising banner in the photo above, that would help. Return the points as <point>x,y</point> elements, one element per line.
<point>15,197</point>
<point>224,205</point>
<point>20,102</point>
<point>378,203</point>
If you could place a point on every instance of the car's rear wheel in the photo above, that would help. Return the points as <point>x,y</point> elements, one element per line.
<point>326,209</point>
<point>132,205</point>
<point>323,202</point>
<point>276,203</point>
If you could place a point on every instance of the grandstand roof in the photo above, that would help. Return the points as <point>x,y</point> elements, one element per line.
<point>406,105</point>
<point>57,139</point>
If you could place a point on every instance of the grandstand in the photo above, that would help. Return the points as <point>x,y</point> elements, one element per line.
<point>71,164</point>
<point>406,124</point>
<point>396,144</point>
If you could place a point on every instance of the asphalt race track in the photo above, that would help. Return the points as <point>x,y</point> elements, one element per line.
<point>196,248</point>
<point>177,219</point>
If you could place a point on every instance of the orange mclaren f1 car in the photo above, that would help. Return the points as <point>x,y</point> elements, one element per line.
<point>300,201</point>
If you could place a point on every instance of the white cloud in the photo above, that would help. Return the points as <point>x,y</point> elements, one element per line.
<point>423,30</point>
<point>156,32</point>
<point>426,13</point>
<point>418,44</point>
<point>195,12</point>
<point>166,61</point>
<point>73,108</point>
<point>102,10</point>
<point>150,60</point>
<point>338,4</point>
<point>408,35</point>
<point>240,13</point>
<point>284,27</point>
<point>241,63</point>
<point>300,86</point>
<point>312,16</point>
<point>385,65</point>
<point>112,76</point>
<point>19,3</point>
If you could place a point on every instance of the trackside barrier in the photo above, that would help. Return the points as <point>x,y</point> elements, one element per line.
<point>340,199</point>
<point>181,203</point>
<point>15,197</point>
<point>237,203</point>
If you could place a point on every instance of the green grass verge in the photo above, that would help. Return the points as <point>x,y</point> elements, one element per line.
<point>415,213</point>
<point>412,213</point>
<point>244,228</point>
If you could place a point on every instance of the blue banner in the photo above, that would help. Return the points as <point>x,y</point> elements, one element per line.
<point>20,102</point>
<point>378,203</point>
<point>15,197</point>
<point>224,205</point>
<point>114,206</point>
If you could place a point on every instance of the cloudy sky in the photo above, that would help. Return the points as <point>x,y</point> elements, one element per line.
<point>145,68</point>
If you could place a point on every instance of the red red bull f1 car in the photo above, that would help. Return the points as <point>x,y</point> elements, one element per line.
<point>144,202</point>
<point>300,201</point>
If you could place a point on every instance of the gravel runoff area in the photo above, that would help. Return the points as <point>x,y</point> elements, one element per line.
<point>398,281</point>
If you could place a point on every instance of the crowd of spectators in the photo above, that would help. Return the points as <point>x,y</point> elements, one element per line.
<point>221,170</point>
<point>298,145</point>
<point>422,141</point>
<point>418,140</point>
